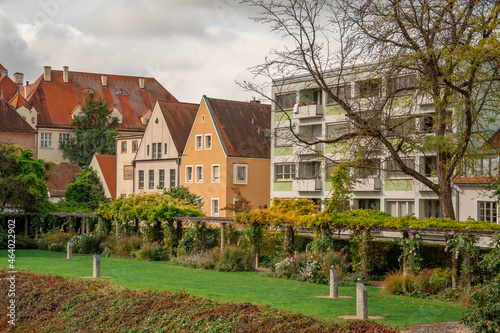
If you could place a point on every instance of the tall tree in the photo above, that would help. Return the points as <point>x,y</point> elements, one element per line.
<point>93,130</point>
<point>86,190</point>
<point>442,54</point>
<point>22,179</point>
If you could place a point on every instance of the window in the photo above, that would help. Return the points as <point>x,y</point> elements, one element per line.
<point>147,150</point>
<point>432,208</point>
<point>286,101</point>
<point>46,140</point>
<point>215,207</point>
<point>151,179</point>
<point>283,137</point>
<point>401,85</point>
<point>343,92</point>
<point>128,172</point>
<point>400,208</point>
<point>172,177</point>
<point>329,166</point>
<point>284,172</point>
<point>135,146</point>
<point>88,91</point>
<point>427,123</point>
<point>430,166</point>
<point>121,93</point>
<point>368,88</point>
<point>393,169</point>
<point>141,178</point>
<point>161,180</point>
<point>215,173</point>
<point>336,130</point>
<point>485,167</point>
<point>154,150</point>
<point>63,138</point>
<point>367,168</point>
<point>208,141</point>
<point>400,126</point>
<point>240,173</point>
<point>159,149</point>
<point>309,170</point>
<point>202,119</point>
<point>124,147</point>
<point>198,145</point>
<point>373,204</point>
<point>189,174</point>
<point>487,211</point>
<point>165,150</point>
<point>199,174</point>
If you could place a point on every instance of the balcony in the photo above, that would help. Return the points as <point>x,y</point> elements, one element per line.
<point>301,149</point>
<point>308,111</point>
<point>420,187</point>
<point>307,185</point>
<point>368,184</point>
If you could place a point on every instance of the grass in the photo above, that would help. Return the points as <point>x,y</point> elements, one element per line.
<point>297,297</point>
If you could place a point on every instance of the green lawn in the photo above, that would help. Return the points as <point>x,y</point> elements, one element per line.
<point>239,287</point>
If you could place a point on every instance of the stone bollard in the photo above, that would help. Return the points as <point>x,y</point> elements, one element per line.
<point>361,301</point>
<point>69,251</point>
<point>97,267</point>
<point>334,283</point>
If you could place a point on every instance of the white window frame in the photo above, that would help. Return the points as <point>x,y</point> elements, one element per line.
<point>235,173</point>
<point>285,176</point>
<point>208,144</point>
<point>140,177</point>
<point>398,202</point>
<point>196,174</point>
<point>188,174</point>
<point>161,178</point>
<point>215,180</point>
<point>151,179</point>
<point>198,142</point>
<point>212,207</point>
<point>63,137</point>
<point>492,209</point>
<point>45,140</point>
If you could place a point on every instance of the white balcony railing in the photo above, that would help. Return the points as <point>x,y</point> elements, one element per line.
<point>368,184</point>
<point>303,149</point>
<point>308,111</point>
<point>307,185</point>
<point>420,187</point>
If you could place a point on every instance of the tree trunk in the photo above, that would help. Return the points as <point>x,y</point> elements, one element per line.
<point>446,200</point>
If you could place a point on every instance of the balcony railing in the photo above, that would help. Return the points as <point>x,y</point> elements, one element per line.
<point>303,149</point>
<point>420,187</point>
<point>307,185</point>
<point>368,184</point>
<point>308,111</point>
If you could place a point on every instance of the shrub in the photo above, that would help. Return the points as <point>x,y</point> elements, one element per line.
<point>285,268</point>
<point>398,282</point>
<point>151,251</point>
<point>22,242</point>
<point>336,259</point>
<point>234,259</point>
<point>87,244</point>
<point>124,246</point>
<point>55,241</point>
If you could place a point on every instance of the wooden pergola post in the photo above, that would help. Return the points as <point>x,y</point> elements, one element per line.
<point>203,235</point>
<point>222,236</point>
<point>26,221</point>
<point>179,231</point>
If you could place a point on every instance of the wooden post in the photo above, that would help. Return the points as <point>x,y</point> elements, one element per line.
<point>136,226</point>
<point>467,273</point>
<point>229,232</point>
<point>222,236</point>
<point>203,235</point>
<point>26,221</point>
<point>179,232</point>
<point>454,269</point>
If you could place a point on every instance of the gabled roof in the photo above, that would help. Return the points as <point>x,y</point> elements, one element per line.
<point>18,101</point>
<point>2,68</point>
<point>107,164</point>
<point>241,126</point>
<point>179,118</point>
<point>60,176</point>
<point>11,121</point>
<point>8,87</point>
<point>55,100</point>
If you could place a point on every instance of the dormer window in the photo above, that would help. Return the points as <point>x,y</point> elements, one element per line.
<point>88,91</point>
<point>122,93</point>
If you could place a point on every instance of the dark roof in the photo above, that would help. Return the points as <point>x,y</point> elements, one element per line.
<point>107,163</point>
<point>11,121</point>
<point>55,100</point>
<point>60,176</point>
<point>179,118</point>
<point>242,126</point>
<point>8,87</point>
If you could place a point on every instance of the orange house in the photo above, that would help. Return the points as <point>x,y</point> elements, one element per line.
<point>228,147</point>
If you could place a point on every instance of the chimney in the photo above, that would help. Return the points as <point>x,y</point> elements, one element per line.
<point>65,74</point>
<point>104,80</point>
<point>141,82</point>
<point>47,73</point>
<point>18,79</point>
<point>27,89</point>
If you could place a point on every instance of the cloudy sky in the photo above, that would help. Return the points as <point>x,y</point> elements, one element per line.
<point>192,47</point>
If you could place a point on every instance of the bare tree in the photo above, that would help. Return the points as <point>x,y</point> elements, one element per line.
<point>423,77</point>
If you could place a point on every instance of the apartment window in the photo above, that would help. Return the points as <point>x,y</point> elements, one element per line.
<point>393,169</point>
<point>400,208</point>
<point>286,101</point>
<point>284,172</point>
<point>189,174</point>
<point>329,167</point>
<point>367,168</point>
<point>336,130</point>
<point>208,141</point>
<point>432,208</point>
<point>373,204</point>
<point>482,167</point>
<point>215,173</point>
<point>487,211</point>
<point>198,142</point>
<point>46,140</point>
<point>215,207</point>
<point>147,150</point>
<point>430,166</point>
<point>368,88</point>
<point>159,149</point>
<point>400,126</point>
<point>283,137</point>
<point>154,150</point>
<point>161,179</point>
<point>427,123</point>
<point>165,150</point>
<point>151,179</point>
<point>63,138</point>
<point>199,174</point>
<point>135,146</point>
<point>401,85</point>
<point>172,177</point>
<point>124,147</point>
<point>141,179</point>
<point>343,92</point>
<point>240,173</point>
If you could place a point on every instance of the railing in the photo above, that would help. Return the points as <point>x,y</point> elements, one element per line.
<point>307,185</point>
<point>308,111</point>
<point>368,184</point>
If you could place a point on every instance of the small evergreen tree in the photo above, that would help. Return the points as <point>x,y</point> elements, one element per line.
<point>86,190</point>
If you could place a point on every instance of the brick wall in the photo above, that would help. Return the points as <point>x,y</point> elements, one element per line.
<point>23,140</point>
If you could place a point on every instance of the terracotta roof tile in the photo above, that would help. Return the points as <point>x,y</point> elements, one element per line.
<point>18,101</point>
<point>107,163</point>
<point>60,176</point>
<point>8,87</point>
<point>11,121</point>
<point>55,100</point>
<point>179,118</point>
<point>242,126</point>
<point>2,68</point>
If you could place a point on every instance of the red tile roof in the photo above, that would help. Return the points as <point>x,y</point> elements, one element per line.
<point>8,87</point>
<point>11,121</point>
<point>18,100</point>
<point>60,176</point>
<point>55,100</point>
<point>179,118</point>
<point>2,68</point>
<point>242,126</point>
<point>107,164</point>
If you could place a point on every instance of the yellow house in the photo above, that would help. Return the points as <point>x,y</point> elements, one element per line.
<point>228,148</point>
